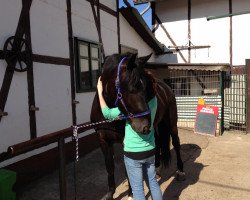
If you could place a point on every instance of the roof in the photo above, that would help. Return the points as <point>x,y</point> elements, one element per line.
<point>137,22</point>
<point>190,66</point>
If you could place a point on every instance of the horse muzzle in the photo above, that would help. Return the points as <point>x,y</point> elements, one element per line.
<point>141,126</point>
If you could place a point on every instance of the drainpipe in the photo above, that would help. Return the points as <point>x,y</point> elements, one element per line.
<point>146,9</point>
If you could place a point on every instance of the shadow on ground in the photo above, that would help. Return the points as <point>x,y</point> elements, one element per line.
<point>87,179</point>
<point>171,188</point>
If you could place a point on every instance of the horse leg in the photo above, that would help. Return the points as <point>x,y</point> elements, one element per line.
<point>108,153</point>
<point>180,174</point>
<point>162,141</point>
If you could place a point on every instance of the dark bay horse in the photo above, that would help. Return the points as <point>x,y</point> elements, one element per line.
<point>127,85</point>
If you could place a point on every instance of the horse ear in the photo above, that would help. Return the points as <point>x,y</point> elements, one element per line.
<point>131,60</point>
<point>142,60</point>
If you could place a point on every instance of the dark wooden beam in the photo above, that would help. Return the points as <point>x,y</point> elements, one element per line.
<point>104,8</point>
<point>51,60</point>
<point>30,80</point>
<point>97,19</point>
<point>71,61</point>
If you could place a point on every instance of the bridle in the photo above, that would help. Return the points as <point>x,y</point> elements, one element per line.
<point>119,96</point>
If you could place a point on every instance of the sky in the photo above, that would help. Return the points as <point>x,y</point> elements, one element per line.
<point>147,16</point>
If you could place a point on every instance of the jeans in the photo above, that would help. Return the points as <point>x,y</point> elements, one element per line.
<point>139,170</point>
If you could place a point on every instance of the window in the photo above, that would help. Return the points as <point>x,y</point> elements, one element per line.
<point>88,65</point>
<point>181,86</point>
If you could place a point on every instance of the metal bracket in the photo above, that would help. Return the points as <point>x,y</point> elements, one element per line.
<point>33,108</point>
<point>75,102</point>
<point>2,113</point>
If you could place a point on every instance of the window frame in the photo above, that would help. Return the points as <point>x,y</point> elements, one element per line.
<point>77,43</point>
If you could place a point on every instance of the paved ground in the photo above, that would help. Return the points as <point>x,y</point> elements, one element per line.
<point>217,168</point>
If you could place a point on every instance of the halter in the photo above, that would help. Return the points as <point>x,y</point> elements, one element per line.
<point>119,97</point>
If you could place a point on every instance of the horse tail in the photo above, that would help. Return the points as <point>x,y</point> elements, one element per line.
<point>163,155</point>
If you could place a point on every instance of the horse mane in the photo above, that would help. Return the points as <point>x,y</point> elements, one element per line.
<point>111,63</point>
<point>151,85</point>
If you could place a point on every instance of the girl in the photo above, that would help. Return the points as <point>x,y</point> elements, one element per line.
<point>139,151</point>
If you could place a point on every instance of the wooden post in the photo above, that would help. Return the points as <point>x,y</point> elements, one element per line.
<point>62,171</point>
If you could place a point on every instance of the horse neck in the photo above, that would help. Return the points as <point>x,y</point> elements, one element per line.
<point>151,86</point>
<point>109,92</point>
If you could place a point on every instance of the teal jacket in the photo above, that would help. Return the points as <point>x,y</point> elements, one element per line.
<point>133,141</point>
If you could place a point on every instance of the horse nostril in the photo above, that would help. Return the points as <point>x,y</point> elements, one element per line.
<point>145,130</point>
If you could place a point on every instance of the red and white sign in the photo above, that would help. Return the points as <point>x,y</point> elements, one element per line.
<point>206,119</point>
<point>208,109</point>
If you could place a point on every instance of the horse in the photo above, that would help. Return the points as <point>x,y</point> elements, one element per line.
<point>129,86</point>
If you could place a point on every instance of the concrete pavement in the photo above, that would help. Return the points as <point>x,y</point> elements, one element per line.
<point>216,168</point>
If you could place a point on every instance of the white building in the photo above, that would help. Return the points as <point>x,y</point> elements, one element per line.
<point>48,77</point>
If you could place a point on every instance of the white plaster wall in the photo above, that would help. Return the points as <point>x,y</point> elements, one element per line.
<point>109,33</point>
<point>83,22</point>
<point>241,40</point>
<point>14,128</point>
<point>173,15</point>
<point>53,97</point>
<point>9,10</point>
<point>130,38</point>
<point>83,109</point>
<point>49,33</point>
<point>178,32</point>
<point>49,30</point>
<point>109,3</point>
<point>241,32</point>
<point>215,33</point>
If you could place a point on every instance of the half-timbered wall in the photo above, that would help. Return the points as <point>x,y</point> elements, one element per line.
<point>49,36</point>
<point>187,20</point>
<point>49,30</point>
<point>130,38</point>
<point>14,127</point>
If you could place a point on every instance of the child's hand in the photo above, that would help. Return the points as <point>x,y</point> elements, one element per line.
<point>99,85</point>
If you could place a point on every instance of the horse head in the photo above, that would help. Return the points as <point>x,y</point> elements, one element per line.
<point>128,86</point>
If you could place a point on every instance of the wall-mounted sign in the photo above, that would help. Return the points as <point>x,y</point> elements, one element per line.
<point>206,119</point>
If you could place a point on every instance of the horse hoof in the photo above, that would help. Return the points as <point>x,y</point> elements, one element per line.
<point>180,176</point>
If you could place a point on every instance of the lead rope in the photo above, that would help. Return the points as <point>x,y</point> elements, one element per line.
<point>75,138</point>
